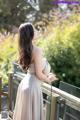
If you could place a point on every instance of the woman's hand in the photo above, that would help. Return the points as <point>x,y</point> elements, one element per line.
<point>52,77</point>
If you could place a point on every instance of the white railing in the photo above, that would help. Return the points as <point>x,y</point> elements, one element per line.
<point>71,100</point>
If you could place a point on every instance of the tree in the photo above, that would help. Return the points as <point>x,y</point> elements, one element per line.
<point>12,12</point>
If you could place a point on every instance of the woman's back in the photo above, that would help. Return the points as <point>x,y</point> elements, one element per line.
<point>29,102</point>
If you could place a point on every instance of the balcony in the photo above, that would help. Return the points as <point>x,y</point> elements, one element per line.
<point>61,103</point>
<point>58,104</point>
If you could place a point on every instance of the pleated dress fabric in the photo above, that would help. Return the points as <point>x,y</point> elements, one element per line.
<point>29,100</point>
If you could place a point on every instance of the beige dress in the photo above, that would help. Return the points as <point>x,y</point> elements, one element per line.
<point>29,101</point>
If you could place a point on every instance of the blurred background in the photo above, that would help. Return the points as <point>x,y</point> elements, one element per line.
<point>57,28</point>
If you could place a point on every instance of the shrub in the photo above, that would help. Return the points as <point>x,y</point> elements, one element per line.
<point>63,53</point>
<point>8,52</point>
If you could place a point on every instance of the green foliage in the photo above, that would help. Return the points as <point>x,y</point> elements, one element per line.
<point>62,49</point>
<point>65,54</point>
<point>8,50</point>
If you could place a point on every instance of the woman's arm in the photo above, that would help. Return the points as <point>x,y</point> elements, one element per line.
<point>38,62</point>
<point>39,65</point>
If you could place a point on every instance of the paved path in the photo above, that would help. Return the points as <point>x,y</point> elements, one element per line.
<point>3,115</point>
<point>2,118</point>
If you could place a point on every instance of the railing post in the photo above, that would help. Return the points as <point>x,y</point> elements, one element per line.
<point>53,107</point>
<point>0,91</point>
<point>10,90</point>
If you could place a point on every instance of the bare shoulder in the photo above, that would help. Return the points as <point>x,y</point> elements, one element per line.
<point>37,51</point>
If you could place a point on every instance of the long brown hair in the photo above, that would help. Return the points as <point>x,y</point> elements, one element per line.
<point>26,34</point>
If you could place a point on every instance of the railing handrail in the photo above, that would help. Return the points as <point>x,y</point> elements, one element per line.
<point>62,93</point>
<point>71,100</point>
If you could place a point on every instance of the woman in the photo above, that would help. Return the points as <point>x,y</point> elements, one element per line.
<point>29,101</point>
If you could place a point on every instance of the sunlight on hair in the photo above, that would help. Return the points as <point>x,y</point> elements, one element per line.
<point>26,23</point>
